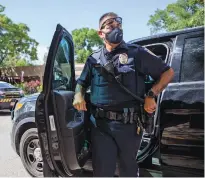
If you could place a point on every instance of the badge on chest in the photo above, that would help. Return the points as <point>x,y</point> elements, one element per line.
<point>123,58</point>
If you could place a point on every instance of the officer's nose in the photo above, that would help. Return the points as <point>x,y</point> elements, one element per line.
<point>117,24</point>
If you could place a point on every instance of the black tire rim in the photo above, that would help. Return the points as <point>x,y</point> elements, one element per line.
<point>33,155</point>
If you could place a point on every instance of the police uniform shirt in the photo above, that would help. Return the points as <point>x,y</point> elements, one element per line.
<point>150,64</point>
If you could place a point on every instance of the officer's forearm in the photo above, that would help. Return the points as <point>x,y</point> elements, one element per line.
<point>165,79</point>
<point>80,90</point>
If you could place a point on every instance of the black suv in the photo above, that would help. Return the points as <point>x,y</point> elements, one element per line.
<point>174,148</point>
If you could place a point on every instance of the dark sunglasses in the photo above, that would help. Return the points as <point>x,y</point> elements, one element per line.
<point>110,21</point>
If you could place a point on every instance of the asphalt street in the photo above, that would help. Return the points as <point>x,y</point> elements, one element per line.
<point>10,162</point>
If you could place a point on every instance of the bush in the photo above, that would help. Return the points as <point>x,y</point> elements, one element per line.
<point>30,87</point>
<point>40,88</point>
<point>20,85</point>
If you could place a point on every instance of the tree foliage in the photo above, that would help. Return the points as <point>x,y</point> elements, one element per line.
<point>85,41</point>
<point>15,62</point>
<point>179,15</point>
<point>14,39</point>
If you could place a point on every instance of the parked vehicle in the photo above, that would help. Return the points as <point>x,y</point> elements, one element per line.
<point>8,95</point>
<point>24,137</point>
<point>174,148</point>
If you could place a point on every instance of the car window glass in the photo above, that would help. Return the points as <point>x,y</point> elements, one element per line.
<point>193,60</point>
<point>62,66</point>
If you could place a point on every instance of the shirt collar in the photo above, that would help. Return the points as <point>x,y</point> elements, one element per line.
<point>122,45</point>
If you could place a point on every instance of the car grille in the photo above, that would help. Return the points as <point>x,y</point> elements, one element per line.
<point>12,95</point>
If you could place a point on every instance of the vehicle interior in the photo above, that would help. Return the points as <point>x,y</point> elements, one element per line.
<point>73,126</point>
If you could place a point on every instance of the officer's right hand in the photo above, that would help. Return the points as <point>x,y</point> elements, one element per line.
<point>150,105</point>
<point>79,102</point>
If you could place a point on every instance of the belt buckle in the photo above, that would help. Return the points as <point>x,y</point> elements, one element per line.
<point>113,115</point>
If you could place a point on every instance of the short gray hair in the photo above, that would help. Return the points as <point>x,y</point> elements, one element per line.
<point>106,15</point>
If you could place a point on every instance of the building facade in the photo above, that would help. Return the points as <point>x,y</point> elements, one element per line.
<point>28,73</point>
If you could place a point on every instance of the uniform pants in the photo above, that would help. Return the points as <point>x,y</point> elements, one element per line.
<point>112,142</point>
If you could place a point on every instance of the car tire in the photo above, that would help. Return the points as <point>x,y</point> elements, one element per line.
<point>29,145</point>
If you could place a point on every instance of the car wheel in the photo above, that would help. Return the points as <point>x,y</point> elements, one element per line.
<point>30,153</point>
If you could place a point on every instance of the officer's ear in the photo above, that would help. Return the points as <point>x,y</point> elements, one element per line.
<point>101,34</point>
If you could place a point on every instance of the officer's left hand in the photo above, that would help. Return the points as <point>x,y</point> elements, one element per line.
<point>150,105</point>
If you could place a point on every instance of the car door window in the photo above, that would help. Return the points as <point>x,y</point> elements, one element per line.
<point>192,68</point>
<point>62,67</point>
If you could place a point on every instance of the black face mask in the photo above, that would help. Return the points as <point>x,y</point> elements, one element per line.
<point>115,36</point>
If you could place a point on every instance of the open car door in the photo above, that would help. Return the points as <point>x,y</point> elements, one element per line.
<point>60,125</point>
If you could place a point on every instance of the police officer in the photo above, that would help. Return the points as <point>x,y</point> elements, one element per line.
<point>114,136</point>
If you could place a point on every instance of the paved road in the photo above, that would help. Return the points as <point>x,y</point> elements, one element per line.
<point>10,163</point>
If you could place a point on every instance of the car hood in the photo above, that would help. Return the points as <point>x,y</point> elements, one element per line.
<point>29,98</point>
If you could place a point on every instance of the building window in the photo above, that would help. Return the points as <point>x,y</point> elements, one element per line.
<point>192,68</point>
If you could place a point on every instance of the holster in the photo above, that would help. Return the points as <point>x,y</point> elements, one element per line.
<point>146,120</point>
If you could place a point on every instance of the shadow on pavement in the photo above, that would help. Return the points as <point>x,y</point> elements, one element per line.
<point>5,113</point>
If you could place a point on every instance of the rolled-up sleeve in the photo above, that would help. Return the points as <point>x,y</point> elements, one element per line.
<point>85,77</point>
<point>151,64</point>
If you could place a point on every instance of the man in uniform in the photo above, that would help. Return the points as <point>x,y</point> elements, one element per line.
<point>114,136</point>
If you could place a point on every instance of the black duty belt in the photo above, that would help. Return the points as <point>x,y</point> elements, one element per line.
<point>126,116</point>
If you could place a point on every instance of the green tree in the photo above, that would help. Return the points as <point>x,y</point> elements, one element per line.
<point>14,62</point>
<point>14,39</point>
<point>179,15</point>
<point>85,40</point>
<point>23,62</point>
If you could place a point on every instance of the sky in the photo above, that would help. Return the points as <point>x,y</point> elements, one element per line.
<point>42,16</point>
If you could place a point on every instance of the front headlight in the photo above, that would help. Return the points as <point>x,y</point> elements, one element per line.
<point>18,106</point>
<point>29,106</point>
